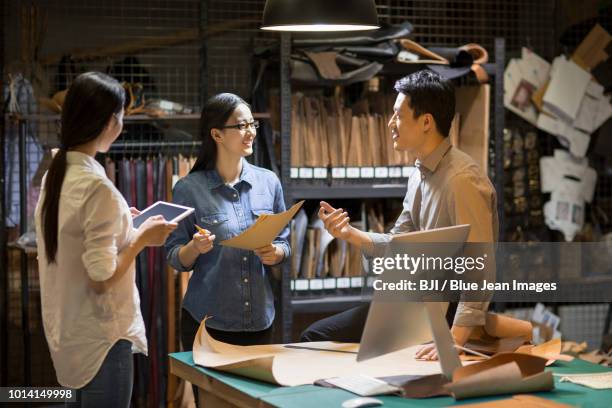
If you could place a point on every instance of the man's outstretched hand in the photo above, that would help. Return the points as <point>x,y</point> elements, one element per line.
<point>336,221</point>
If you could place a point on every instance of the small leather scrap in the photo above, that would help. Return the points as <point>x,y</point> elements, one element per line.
<point>519,401</point>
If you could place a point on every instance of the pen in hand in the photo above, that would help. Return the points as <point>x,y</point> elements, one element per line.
<point>201,230</point>
<point>203,240</point>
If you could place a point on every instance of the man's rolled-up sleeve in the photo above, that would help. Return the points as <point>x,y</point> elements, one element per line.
<point>472,201</point>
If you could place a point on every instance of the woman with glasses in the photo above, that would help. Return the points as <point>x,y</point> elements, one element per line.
<point>229,285</point>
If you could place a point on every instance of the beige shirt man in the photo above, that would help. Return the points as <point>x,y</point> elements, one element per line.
<point>447,187</point>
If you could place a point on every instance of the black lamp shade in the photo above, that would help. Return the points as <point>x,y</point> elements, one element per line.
<point>319,15</point>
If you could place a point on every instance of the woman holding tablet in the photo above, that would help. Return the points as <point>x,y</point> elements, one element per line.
<point>229,285</point>
<point>86,252</point>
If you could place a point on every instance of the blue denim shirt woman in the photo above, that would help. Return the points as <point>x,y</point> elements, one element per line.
<point>229,285</point>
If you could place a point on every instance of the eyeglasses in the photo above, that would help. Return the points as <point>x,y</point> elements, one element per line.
<point>243,126</point>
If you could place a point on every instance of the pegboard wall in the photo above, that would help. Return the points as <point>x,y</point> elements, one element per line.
<point>436,23</point>
<point>113,35</point>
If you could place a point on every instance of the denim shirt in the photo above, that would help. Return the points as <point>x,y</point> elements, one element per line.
<point>229,285</point>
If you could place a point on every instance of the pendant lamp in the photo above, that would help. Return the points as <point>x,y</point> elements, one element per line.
<point>319,15</point>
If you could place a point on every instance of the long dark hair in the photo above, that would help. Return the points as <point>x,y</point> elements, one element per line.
<point>215,113</point>
<point>91,101</point>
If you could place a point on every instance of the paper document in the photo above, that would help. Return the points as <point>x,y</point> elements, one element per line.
<point>524,81</point>
<point>598,381</point>
<point>302,363</point>
<point>262,233</point>
<point>576,140</point>
<point>568,84</point>
<point>594,110</point>
<point>535,67</point>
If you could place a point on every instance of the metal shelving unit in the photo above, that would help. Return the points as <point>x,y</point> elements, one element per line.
<point>297,189</point>
<point>356,190</point>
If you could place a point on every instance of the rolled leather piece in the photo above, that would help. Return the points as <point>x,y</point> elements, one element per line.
<point>451,62</point>
<point>361,38</point>
<point>463,56</point>
<point>456,56</point>
<point>417,54</point>
<point>481,73</point>
<point>478,53</point>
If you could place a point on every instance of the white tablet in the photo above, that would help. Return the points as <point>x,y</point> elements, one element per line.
<point>170,212</point>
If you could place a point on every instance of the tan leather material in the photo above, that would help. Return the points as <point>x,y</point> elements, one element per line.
<point>480,73</point>
<point>425,55</point>
<point>422,55</point>
<point>500,334</point>
<point>480,55</point>
<point>325,62</point>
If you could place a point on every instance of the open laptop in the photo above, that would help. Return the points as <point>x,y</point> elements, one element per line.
<point>395,325</point>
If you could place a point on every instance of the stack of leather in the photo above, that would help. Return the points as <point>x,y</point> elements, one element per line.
<point>322,256</point>
<point>332,60</point>
<point>382,215</point>
<point>316,254</point>
<point>324,133</point>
